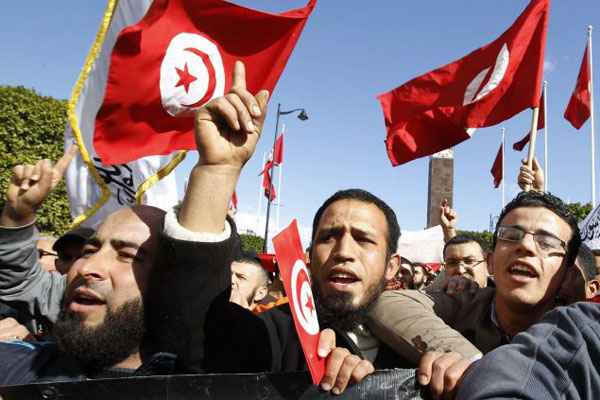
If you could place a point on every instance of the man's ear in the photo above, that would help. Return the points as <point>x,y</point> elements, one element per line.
<point>594,286</point>
<point>260,293</point>
<point>392,266</point>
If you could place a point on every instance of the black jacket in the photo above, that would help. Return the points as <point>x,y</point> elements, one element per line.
<point>189,314</point>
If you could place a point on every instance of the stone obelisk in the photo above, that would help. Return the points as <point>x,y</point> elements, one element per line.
<point>441,183</point>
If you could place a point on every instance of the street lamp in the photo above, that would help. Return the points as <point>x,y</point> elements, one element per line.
<point>302,116</point>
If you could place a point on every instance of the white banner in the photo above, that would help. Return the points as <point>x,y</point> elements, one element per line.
<point>424,246</point>
<point>96,190</point>
<point>590,229</point>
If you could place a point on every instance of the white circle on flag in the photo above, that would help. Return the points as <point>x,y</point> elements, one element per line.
<point>191,74</point>
<point>303,300</point>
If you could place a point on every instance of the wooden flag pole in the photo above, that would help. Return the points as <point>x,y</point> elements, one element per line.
<point>533,133</point>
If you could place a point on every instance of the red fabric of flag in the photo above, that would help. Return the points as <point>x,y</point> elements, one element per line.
<point>267,182</point>
<point>278,153</point>
<point>497,167</point>
<point>177,58</point>
<point>435,111</point>
<point>578,110</point>
<point>233,203</point>
<point>520,145</point>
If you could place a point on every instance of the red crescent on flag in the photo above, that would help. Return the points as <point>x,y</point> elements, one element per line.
<point>211,77</point>
<point>301,280</point>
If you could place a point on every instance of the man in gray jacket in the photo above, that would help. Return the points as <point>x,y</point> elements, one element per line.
<point>24,284</point>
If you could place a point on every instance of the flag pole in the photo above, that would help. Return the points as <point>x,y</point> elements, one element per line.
<point>534,122</point>
<point>260,194</point>
<point>279,185</point>
<point>546,162</point>
<point>592,132</point>
<point>503,174</point>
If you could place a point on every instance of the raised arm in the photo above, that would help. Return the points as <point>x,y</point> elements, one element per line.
<point>227,130</point>
<point>22,279</point>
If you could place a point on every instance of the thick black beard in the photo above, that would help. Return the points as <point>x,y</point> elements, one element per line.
<point>337,312</point>
<point>103,346</point>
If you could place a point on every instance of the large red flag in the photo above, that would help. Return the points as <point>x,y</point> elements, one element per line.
<point>520,145</point>
<point>178,57</point>
<point>278,153</point>
<point>435,111</point>
<point>497,167</point>
<point>578,110</point>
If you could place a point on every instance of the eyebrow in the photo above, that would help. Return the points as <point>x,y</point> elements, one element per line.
<point>118,244</point>
<point>336,230</point>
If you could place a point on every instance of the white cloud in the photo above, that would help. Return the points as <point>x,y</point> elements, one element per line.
<point>549,66</point>
<point>249,223</point>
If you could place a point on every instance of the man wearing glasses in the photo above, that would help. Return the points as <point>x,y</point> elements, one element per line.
<point>535,243</point>
<point>463,256</point>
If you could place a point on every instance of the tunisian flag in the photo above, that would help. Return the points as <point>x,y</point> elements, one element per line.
<point>267,182</point>
<point>278,153</point>
<point>440,109</point>
<point>578,110</point>
<point>177,58</point>
<point>520,145</point>
<point>497,167</point>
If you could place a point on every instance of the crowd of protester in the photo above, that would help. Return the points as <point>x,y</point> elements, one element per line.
<point>153,292</point>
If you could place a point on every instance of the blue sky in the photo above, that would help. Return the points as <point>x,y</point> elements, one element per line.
<point>348,54</point>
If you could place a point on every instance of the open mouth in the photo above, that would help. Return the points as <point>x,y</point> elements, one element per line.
<point>342,278</point>
<point>522,270</point>
<point>86,298</point>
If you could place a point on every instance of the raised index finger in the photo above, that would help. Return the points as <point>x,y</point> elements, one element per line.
<point>239,75</point>
<point>61,165</point>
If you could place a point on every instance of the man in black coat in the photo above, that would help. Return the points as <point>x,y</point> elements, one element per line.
<point>353,253</point>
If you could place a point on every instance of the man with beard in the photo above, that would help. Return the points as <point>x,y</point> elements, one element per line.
<point>353,253</point>
<point>101,325</point>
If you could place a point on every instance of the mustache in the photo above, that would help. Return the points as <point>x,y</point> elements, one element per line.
<point>96,287</point>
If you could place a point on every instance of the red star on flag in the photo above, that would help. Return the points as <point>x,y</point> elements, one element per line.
<point>309,304</point>
<point>185,78</point>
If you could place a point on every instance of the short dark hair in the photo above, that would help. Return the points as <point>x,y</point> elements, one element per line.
<point>546,200</point>
<point>461,239</point>
<point>250,257</point>
<point>393,231</point>
<point>587,262</point>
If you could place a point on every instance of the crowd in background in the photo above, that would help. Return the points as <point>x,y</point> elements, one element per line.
<point>164,292</point>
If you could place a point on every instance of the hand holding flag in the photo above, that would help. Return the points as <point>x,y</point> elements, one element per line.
<point>531,177</point>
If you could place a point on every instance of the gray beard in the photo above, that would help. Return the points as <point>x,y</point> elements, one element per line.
<point>119,336</point>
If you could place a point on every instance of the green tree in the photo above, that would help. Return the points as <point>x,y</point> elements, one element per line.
<point>484,238</point>
<point>580,210</point>
<point>31,128</point>
<point>252,242</point>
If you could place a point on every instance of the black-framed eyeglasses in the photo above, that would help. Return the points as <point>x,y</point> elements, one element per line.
<point>545,242</point>
<point>468,263</point>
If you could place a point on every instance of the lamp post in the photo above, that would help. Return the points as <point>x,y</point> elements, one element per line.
<point>302,116</point>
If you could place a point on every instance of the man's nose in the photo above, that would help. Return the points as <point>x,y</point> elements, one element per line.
<point>343,250</point>
<point>92,268</point>
<point>527,244</point>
